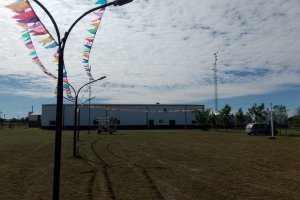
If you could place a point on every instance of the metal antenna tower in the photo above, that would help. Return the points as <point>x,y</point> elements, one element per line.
<point>216,82</point>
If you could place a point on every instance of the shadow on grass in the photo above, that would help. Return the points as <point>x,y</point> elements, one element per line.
<point>290,135</point>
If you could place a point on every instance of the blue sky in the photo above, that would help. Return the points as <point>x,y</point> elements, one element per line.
<point>161,51</point>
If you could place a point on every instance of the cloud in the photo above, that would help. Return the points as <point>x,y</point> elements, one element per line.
<point>161,51</point>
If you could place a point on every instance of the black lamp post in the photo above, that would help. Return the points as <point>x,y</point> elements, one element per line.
<point>76,93</point>
<point>79,112</point>
<point>79,108</point>
<point>59,104</point>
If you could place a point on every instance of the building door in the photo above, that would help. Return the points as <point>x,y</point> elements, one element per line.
<point>172,123</point>
<point>151,123</point>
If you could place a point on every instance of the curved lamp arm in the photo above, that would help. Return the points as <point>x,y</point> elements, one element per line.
<point>78,19</point>
<point>73,89</point>
<point>103,77</point>
<point>53,21</point>
<point>115,3</point>
<point>69,99</point>
<point>87,100</point>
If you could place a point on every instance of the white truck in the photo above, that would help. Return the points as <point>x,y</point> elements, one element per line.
<point>107,124</point>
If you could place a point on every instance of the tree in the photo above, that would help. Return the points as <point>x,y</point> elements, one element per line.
<point>240,117</point>
<point>257,112</point>
<point>280,116</point>
<point>297,112</point>
<point>202,117</point>
<point>294,121</point>
<point>214,119</point>
<point>225,116</point>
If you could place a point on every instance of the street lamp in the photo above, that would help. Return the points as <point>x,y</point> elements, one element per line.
<point>79,111</point>
<point>59,104</point>
<point>76,93</point>
<point>79,107</point>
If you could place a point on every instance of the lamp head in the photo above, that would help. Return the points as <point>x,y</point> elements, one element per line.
<point>121,2</point>
<point>103,77</point>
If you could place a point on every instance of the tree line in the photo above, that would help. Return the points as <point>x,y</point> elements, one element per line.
<point>206,118</point>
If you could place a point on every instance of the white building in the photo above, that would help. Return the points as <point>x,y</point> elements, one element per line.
<point>34,119</point>
<point>128,115</point>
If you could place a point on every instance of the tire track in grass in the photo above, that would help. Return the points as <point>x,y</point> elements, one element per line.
<point>144,172</point>
<point>94,170</point>
<point>105,166</point>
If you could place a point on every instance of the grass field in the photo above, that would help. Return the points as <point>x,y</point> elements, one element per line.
<point>151,164</point>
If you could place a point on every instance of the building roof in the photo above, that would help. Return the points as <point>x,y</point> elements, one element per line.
<point>97,104</point>
<point>32,114</point>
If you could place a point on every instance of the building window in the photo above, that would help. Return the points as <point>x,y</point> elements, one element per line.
<point>161,121</point>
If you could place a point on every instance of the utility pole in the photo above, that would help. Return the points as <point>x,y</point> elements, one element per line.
<point>216,82</point>
<point>272,125</point>
<point>90,96</point>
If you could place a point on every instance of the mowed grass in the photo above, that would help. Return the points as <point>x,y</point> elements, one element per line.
<point>151,164</point>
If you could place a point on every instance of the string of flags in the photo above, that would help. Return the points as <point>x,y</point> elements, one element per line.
<point>33,26</point>
<point>142,110</point>
<point>27,18</point>
<point>90,40</point>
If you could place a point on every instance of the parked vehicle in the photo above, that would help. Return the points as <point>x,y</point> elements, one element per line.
<point>259,128</point>
<point>107,124</point>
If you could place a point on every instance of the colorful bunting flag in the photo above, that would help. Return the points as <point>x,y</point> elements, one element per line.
<point>101,2</point>
<point>47,40</point>
<point>52,45</point>
<point>28,19</point>
<point>25,15</point>
<point>90,40</point>
<point>18,6</point>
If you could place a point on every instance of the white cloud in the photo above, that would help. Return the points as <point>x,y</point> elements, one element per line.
<point>161,51</point>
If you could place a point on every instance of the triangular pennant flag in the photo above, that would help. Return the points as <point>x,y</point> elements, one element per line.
<point>28,42</point>
<point>47,40</point>
<point>35,25</point>
<point>31,20</point>
<point>29,46</point>
<point>65,75</point>
<point>27,39</point>
<point>33,53</point>
<point>88,46</point>
<point>101,2</point>
<point>18,7</point>
<point>86,55</point>
<point>93,31</point>
<point>25,15</point>
<point>39,30</point>
<point>40,33</point>
<point>26,35</point>
<point>23,25</point>
<point>96,20</point>
<point>90,39</point>
<point>52,45</point>
<point>99,14</point>
<point>96,25</point>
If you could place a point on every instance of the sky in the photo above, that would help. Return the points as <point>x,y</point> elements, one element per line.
<point>162,51</point>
